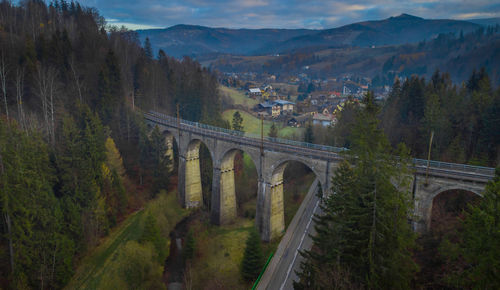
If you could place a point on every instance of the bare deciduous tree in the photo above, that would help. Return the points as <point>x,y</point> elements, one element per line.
<point>47,86</point>
<point>19,96</point>
<point>3,83</point>
<point>77,77</point>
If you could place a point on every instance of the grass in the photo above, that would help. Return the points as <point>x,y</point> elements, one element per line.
<point>238,97</point>
<point>219,249</point>
<point>219,252</point>
<point>251,125</point>
<point>168,213</point>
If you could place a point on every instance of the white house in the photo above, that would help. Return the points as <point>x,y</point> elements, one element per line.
<point>254,92</point>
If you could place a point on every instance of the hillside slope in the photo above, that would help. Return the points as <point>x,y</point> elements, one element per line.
<point>180,40</point>
<point>193,40</point>
<point>394,30</point>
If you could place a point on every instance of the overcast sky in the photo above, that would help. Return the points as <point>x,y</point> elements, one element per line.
<point>281,13</point>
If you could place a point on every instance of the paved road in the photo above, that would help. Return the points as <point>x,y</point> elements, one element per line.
<point>280,273</point>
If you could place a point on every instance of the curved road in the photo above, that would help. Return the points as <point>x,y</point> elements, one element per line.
<point>280,273</point>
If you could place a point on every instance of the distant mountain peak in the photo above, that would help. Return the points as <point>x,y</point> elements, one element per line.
<point>407,16</point>
<point>186,27</point>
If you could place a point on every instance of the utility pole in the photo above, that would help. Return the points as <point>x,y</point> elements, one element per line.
<point>179,122</point>
<point>429,158</point>
<point>261,135</point>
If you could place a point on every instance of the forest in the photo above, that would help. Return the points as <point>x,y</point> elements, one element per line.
<point>75,157</point>
<point>364,238</point>
<point>463,117</point>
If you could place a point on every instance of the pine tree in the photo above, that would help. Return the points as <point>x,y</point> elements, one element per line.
<point>252,258</point>
<point>159,161</point>
<point>189,246</point>
<point>30,211</point>
<point>237,121</point>
<point>148,50</point>
<point>363,238</point>
<point>309,134</point>
<point>151,234</point>
<point>478,242</point>
<point>273,132</point>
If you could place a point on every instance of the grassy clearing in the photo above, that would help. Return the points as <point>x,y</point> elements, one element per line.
<point>219,252</point>
<point>168,213</point>
<point>219,249</point>
<point>251,124</point>
<point>238,97</point>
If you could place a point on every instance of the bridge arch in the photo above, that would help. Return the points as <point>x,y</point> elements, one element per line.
<point>191,187</point>
<point>224,198</point>
<point>426,193</point>
<point>447,200</point>
<point>272,203</point>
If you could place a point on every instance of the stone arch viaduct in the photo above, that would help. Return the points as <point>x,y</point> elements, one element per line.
<point>271,157</point>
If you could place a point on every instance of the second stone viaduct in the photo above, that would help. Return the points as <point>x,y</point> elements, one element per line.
<point>271,157</point>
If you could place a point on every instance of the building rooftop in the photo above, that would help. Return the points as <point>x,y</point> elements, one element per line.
<point>266,105</point>
<point>321,117</point>
<point>283,102</point>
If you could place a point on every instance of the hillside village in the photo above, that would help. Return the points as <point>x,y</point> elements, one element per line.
<point>296,101</point>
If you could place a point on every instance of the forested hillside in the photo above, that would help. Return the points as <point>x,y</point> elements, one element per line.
<point>457,53</point>
<point>74,154</point>
<point>464,119</point>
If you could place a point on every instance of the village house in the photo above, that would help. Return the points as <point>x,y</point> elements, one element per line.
<point>323,120</point>
<point>270,108</point>
<point>299,121</point>
<point>254,93</point>
<point>286,106</point>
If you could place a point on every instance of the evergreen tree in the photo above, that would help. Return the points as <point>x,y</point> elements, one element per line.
<point>478,243</point>
<point>81,157</point>
<point>31,212</point>
<point>151,234</point>
<point>148,50</point>
<point>309,134</point>
<point>273,132</point>
<point>109,89</point>
<point>189,246</point>
<point>237,122</point>
<point>363,238</point>
<point>159,161</point>
<point>253,259</point>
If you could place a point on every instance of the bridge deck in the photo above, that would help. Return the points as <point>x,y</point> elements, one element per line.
<point>434,168</point>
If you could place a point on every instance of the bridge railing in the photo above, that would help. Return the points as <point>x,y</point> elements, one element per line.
<point>174,121</point>
<point>455,166</point>
<point>159,117</point>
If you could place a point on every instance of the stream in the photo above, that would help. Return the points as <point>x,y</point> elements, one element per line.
<point>173,275</point>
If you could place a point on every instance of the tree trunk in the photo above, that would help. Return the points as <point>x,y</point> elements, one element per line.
<point>19,96</point>
<point>3,82</point>
<point>11,247</point>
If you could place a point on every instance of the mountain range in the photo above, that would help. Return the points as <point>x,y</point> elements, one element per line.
<point>196,41</point>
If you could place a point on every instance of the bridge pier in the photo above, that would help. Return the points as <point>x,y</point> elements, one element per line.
<point>270,217</point>
<point>169,153</point>
<point>223,209</point>
<point>190,182</point>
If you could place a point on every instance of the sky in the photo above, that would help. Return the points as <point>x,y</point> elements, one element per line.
<point>312,14</point>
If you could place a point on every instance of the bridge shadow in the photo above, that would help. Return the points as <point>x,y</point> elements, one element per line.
<point>448,209</point>
<point>297,179</point>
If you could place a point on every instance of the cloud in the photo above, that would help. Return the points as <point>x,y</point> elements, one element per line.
<point>282,13</point>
